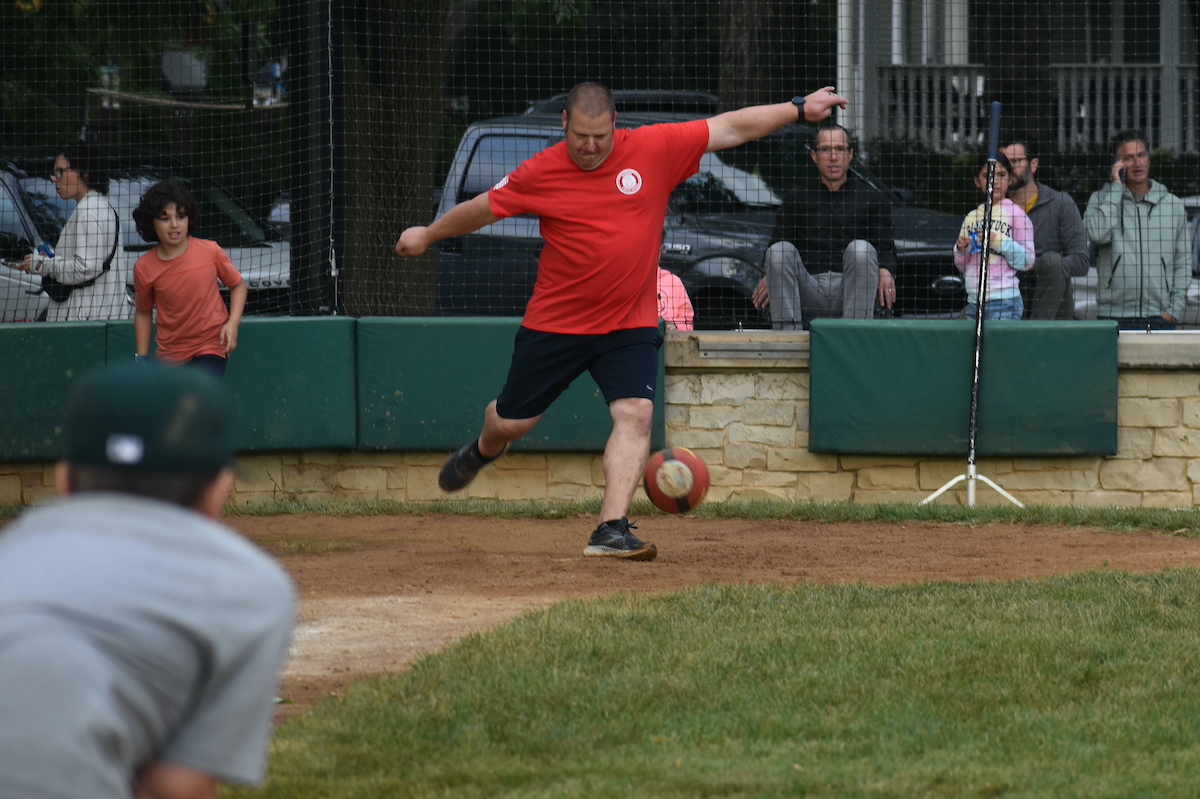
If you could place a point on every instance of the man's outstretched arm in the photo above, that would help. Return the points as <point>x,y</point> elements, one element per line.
<point>747,124</point>
<point>466,217</point>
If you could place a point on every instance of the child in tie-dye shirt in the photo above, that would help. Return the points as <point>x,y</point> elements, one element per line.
<point>1011,251</point>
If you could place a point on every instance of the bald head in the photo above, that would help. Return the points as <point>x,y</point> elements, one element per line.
<point>591,99</point>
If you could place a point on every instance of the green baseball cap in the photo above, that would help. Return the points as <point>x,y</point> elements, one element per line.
<point>150,418</point>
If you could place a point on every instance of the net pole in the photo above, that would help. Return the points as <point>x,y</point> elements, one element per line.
<point>985,254</point>
<point>972,476</point>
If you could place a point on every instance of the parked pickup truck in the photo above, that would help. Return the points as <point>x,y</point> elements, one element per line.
<point>717,229</point>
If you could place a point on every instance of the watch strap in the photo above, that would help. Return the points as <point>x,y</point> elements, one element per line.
<point>799,103</point>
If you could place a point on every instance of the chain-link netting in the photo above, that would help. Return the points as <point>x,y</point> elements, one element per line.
<point>313,133</point>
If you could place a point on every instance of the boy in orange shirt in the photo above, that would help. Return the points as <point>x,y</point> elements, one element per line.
<point>178,278</point>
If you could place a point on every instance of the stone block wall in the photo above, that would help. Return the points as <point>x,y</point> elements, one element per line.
<point>741,401</point>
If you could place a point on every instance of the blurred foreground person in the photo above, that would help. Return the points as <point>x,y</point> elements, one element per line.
<point>141,641</point>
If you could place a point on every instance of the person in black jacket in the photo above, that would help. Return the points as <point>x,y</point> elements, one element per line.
<point>833,252</point>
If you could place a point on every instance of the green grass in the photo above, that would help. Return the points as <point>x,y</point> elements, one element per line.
<point>1181,522</point>
<point>314,547</point>
<point>1080,686</point>
<point>1178,522</point>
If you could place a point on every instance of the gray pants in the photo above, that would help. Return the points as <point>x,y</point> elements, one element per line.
<point>850,294</point>
<point>1048,290</point>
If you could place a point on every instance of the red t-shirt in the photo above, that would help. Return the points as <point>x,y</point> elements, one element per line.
<point>603,229</point>
<point>191,312</point>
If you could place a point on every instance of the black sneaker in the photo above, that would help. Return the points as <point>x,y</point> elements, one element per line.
<point>613,540</point>
<point>460,469</point>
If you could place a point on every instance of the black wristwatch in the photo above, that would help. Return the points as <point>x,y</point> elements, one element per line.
<point>799,103</point>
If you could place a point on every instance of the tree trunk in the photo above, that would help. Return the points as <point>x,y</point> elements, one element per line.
<point>762,51</point>
<point>1017,44</point>
<point>393,90</point>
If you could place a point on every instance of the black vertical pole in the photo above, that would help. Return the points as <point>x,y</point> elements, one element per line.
<point>984,255</point>
<point>314,113</point>
<point>972,474</point>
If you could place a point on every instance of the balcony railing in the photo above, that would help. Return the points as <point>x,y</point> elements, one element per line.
<point>945,107</point>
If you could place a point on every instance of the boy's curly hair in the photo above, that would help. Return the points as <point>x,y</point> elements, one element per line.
<point>156,199</point>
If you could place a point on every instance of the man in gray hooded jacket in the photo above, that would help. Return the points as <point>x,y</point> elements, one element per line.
<point>1058,236</point>
<point>1140,229</point>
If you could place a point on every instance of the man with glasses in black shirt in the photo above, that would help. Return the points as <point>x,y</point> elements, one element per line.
<point>833,252</point>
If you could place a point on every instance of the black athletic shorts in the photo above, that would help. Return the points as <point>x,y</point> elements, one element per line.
<point>623,363</point>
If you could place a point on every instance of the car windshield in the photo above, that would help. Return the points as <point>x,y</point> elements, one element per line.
<point>222,218</point>
<point>721,188</point>
<point>746,179</point>
<point>495,157</point>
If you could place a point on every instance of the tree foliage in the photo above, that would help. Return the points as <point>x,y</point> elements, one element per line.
<point>52,51</point>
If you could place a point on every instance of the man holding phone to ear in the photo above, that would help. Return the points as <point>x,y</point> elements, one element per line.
<point>1140,229</point>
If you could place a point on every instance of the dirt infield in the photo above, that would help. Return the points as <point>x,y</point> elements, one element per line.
<point>410,585</point>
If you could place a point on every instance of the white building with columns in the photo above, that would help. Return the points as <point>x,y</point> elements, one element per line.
<point>915,70</point>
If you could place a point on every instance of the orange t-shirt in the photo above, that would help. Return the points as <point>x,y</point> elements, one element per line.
<point>184,290</point>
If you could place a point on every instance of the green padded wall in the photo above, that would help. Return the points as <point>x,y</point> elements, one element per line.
<point>291,378</point>
<point>423,384</point>
<point>40,363</point>
<point>903,387</point>
<point>293,384</point>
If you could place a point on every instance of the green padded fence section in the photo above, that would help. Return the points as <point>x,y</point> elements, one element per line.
<point>291,379</point>
<point>39,364</point>
<point>423,384</point>
<point>293,384</point>
<point>904,387</point>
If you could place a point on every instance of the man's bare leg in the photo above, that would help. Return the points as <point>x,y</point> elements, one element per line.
<point>624,462</point>
<point>625,455</point>
<point>499,432</point>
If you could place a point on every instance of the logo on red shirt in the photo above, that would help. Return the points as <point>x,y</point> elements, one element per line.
<point>629,181</point>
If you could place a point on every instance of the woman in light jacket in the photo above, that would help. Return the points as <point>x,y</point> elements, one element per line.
<point>88,256</point>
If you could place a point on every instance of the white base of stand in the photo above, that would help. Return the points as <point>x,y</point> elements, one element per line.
<point>971,476</point>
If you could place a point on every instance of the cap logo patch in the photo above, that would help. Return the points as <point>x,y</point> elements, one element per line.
<point>629,181</point>
<point>125,449</point>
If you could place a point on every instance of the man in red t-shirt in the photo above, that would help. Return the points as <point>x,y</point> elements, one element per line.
<point>601,198</point>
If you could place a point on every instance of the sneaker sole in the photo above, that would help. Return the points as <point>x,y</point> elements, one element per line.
<point>648,552</point>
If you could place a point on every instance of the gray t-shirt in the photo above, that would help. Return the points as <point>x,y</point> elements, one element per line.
<point>133,631</point>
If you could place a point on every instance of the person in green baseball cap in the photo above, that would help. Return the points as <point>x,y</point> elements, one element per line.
<point>150,430</point>
<point>146,638</point>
